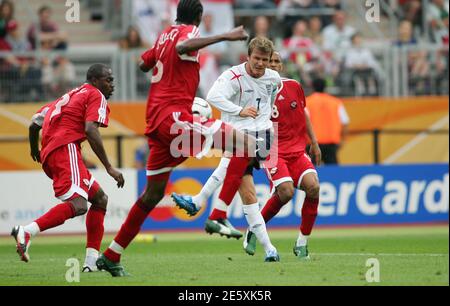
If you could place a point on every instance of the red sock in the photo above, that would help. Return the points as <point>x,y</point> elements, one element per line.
<point>272,208</point>
<point>56,216</point>
<point>233,178</point>
<point>129,230</point>
<point>95,227</point>
<point>309,215</point>
<point>218,214</point>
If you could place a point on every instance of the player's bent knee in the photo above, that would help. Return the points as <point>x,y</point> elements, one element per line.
<point>286,192</point>
<point>103,201</point>
<point>313,191</point>
<point>80,208</point>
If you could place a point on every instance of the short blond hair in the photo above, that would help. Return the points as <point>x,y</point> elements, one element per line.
<point>262,44</point>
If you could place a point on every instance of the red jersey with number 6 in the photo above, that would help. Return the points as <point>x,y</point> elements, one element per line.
<point>65,118</point>
<point>175,77</point>
<point>289,118</point>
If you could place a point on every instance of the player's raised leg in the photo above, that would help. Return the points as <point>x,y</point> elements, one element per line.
<point>241,144</point>
<point>58,215</point>
<point>193,204</point>
<point>213,183</point>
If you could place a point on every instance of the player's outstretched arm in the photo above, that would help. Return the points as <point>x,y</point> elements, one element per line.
<point>96,143</point>
<point>33,136</point>
<point>195,44</point>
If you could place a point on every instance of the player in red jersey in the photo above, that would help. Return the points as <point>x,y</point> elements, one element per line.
<point>65,124</point>
<point>174,60</point>
<point>294,169</point>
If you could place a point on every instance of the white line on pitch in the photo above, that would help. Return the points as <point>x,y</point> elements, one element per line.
<point>380,254</point>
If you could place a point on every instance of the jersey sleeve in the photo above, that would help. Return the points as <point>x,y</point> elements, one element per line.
<point>97,109</point>
<point>224,91</point>
<point>39,117</point>
<point>149,58</point>
<point>301,94</point>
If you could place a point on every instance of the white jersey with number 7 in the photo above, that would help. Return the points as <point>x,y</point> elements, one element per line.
<point>236,89</point>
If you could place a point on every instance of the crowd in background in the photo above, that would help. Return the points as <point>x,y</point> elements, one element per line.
<point>322,45</point>
<point>314,46</point>
<point>23,76</point>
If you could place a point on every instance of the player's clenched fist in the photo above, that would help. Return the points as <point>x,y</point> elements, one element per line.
<point>237,34</point>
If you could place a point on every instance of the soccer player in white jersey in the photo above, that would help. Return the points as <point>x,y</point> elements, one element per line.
<point>245,95</point>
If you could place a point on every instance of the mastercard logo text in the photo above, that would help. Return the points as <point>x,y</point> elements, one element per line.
<point>167,210</point>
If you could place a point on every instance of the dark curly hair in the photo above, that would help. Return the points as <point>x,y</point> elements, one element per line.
<point>189,11</point>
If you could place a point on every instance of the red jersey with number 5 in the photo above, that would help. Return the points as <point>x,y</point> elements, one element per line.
<point>65,118</point>
<point>175,77</point>
<point>289,118</point>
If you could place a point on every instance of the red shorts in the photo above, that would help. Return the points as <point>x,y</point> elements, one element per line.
<point>177,138</point>
<point>70,176</point>
<point>290,168</point>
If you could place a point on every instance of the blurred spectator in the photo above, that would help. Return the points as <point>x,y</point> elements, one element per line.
<point>59,76</point>
<point>206,30</point>
<point>6,15</point>
<point>289,20</point>
<point>19,73</point>
<point>411,10</point>
<point>301,51</point>
<point>49,33</point>
<point>437,17</point>
<point>149,16</point>
<point>362,69</point>
<point>133,40</point>
<point>337,36</point>
<point>315,30</point>
<point>329,120</point>
<point>15,40</point>
<point>261,27</point>
<point>255,4</point>
<point>209,72</point>
<point>418,64</point>
<point>330,4</point>
<point>222,14</point>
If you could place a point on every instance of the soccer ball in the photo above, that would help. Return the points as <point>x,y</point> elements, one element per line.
<point>202,108</point>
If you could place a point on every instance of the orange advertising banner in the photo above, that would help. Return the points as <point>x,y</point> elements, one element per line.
<point>128,119</point>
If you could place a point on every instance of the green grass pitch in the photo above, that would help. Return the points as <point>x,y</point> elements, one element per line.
<point>407,256</point>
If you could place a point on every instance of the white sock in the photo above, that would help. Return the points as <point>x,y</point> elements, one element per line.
<point>114,246</point>
<point>302,240</point>
<point>91,257</point>
<point>32,229</point>
<point>258,226</point>
<point>212,184</point>
<point>91,252</point>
